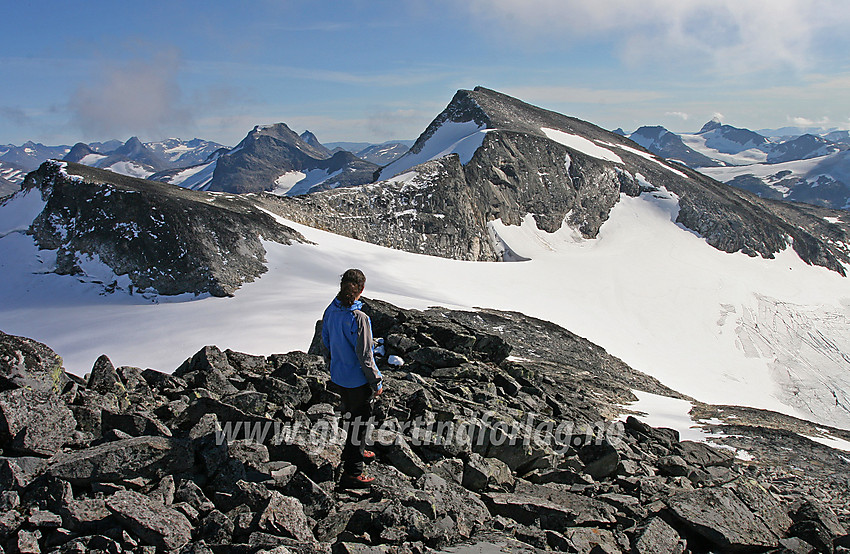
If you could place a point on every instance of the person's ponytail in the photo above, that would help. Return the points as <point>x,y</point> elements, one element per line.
<point>350,286</point>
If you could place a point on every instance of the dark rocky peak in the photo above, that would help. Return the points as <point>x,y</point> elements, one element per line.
<point>268,153</point>
<point>156,238</point>
<point>281,133</point>
<point>78,152</point>
<point>715,123</point>
<point>135,151</point>
<point>620,131</point>
<point>561,170</point>
<point>654,132</point>
<point>311,139</point>
<point>670,146</point>
<point>729,139</point>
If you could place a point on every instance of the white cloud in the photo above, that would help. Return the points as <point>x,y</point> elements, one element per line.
<point>137,97</point>
<point>732,35</point>
<point>681,115</point>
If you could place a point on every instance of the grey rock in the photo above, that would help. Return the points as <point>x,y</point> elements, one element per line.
<point>394,448</point>
<point>27,542</point>
<point>701,454</point>
<point>153,522</point>
<point>44,518</point>
<point>9,500</point>
<point>134,424</point>
<point>657,537</point>
<point>588,539</point>
<point>35,421</point>
<point>600,460</point>
<point>720,517</point>
<point>190,493</point>
<point>25,363</point>
<point>104,378</point>
<point>764,505</point>
<point>18,472</point>
<point>123,459</point>
<point>315,500</point>
<point>479,473</point>
<point>284,516</point>
<point>216,528</point>
<point>86,515</point>
<point>251,402</point>
<point>10,522</point>
<point>556,511</point>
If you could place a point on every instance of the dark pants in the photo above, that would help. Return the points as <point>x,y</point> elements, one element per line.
<point>356,412</point>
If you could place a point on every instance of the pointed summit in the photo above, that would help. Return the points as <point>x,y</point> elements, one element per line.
<point>715,123</point>
<point>311,139</point>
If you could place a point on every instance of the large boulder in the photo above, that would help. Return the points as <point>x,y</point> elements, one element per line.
<point>719,516</point>
<point>124,459</point>
<point>152,521</point>
<point>34,421</point>
<point>25,363</point>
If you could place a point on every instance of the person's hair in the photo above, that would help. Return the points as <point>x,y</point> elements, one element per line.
<point>350,286</point>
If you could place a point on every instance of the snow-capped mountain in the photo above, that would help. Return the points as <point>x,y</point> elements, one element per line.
<point>383,154</point>
<point>802,168</point>
<point>670,146</point>
<point>720,294</point>
<point>180,153</point>
<point>30,155</point>
<point>273,158</point>
<point>17,161</point>
<point>137,159</point>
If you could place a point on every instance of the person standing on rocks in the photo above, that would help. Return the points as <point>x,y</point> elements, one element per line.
<point>348,351</point>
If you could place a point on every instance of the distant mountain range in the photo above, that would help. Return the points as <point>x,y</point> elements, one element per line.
<point>789,163</point>
<point>271,158</point>
<point>782,164</point>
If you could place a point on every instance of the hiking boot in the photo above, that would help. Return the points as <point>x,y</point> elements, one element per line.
<point>348,481</point>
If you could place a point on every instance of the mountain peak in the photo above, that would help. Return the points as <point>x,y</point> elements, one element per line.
<point>715,123</point>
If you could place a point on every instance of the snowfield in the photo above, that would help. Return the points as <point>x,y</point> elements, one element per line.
<point>722,328</point>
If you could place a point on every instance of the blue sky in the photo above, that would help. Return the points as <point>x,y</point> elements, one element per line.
<point>379,70</point>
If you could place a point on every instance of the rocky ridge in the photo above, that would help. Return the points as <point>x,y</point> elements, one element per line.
<point>165,239</point>
<point>519,170</point>
<point>133,460</point>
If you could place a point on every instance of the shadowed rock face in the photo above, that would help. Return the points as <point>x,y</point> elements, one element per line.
<point>269,152</point>
<point>518,171</point>
<point>161,236</point>
<point>540,465</point>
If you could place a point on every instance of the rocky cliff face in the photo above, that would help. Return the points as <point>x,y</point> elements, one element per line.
<point>492,156</point>
<point>162,237</point>
<point>498,429</point>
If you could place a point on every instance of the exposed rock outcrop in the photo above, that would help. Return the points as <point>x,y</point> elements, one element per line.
<point>510,441</point>
<point>558,170</point>
<point>162,237</point>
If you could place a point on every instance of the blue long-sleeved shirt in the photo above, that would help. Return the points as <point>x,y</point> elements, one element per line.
<point>347,337</point>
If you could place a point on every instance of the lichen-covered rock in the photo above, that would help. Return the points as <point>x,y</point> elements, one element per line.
<point>284,516</point>
<point>719,516</point>
<point>124,459</point>
<point>154,523</point>
<point>25,363</point>
<point>34,421</point>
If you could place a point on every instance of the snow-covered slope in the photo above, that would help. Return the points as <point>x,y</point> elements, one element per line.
<point>723,328</point>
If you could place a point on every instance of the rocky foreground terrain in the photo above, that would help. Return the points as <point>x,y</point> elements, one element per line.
<point>498,429</point>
